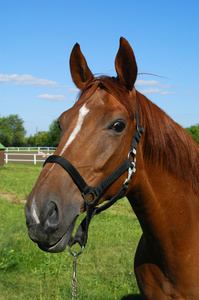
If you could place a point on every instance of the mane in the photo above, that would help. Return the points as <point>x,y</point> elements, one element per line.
<point>168,144</point>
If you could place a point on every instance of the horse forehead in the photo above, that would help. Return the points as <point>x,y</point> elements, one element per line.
<point>102,101</point>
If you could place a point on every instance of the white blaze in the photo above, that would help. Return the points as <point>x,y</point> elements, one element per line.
<point>34,213</point>
<point>35,216</point>
<point>82,113</point>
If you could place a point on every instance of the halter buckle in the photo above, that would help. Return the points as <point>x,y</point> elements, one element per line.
<point>92,193</point>
<point>132,168</point>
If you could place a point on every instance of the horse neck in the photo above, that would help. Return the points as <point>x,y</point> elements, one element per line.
<point>167,145</point>
<point>161,196</point>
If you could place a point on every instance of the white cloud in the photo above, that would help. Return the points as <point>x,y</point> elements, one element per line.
<point>147,82</point>
<point>154,87</point>
<point>52,97</point>
<point>151,91</point>
<point>166,86</point>
<point>26,80</point>
<point>73,90</point>
<point>167,93</point>
<point>189,93</point>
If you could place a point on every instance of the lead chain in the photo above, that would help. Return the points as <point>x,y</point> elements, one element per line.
<point>74,280</point>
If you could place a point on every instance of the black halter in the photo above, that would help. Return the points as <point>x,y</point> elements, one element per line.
<point>98,191</point>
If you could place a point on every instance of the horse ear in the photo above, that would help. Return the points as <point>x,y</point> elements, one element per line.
<point>125,64</point>
<point>79,69</point>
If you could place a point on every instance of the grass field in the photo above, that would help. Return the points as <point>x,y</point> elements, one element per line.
<point>104,270</point>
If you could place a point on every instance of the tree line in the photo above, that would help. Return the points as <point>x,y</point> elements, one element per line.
<point>12,134</point>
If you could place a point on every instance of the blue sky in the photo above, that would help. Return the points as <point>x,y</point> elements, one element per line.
<point>37,36</point>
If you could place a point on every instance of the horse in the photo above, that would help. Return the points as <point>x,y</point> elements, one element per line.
<point>115,141</point>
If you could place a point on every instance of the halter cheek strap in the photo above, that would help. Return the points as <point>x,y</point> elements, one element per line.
<point>98,191</point>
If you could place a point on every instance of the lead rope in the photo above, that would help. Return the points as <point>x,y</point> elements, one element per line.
<point>74,280</point>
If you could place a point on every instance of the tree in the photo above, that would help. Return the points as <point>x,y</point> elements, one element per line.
<point>194,132</point>
<point>12,132</point>
<point>54,134</point>
<point>45,138</point>
<point>41,138</point>
<point>30,141</point>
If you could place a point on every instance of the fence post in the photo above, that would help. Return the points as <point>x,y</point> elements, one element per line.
<point>35,159</point>
<point>6,157</point>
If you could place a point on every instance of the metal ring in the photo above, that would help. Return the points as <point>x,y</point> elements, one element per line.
<point>132,153</point>
<point>75,253</point>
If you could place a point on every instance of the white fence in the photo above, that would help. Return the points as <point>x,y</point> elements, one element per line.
<point>29,149</point>
<point>25,158</point>
<point>20,154</point>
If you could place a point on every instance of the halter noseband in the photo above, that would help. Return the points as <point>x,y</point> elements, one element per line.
<point>98,191</point>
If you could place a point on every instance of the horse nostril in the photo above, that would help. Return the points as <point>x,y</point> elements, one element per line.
<point>52,219</point>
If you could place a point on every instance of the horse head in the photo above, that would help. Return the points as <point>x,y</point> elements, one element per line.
<point>96,135</point>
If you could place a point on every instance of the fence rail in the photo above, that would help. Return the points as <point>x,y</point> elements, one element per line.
<point>26,157</point>
<point>29,149</point>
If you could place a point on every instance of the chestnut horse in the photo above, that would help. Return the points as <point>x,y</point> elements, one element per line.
<point>96,139</point>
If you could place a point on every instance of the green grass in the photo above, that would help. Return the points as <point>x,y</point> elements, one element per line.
<point>104,269</point>
<point>18,179</point>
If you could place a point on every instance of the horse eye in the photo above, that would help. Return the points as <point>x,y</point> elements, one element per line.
<point>118,126</point>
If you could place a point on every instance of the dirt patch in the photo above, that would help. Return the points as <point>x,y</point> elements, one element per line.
<point>12,198</point>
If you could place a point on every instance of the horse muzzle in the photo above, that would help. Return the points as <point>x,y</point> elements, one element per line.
<point>61,244</point>
<point>48,228</point>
